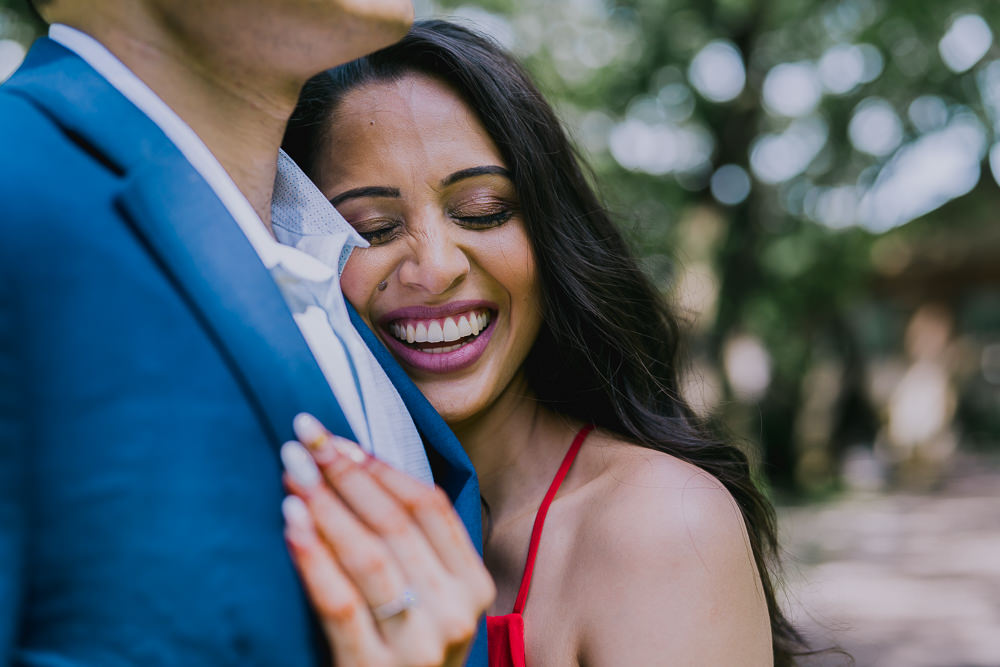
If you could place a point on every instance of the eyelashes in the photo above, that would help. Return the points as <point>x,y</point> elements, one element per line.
<point>379,236</point>
<point>485,221</point>
<point>379,231</point>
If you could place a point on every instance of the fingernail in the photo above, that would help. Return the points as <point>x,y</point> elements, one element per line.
<point>299,464</point>
<point>323,451</point>
<point>349,449</point>
<point>296,513</point>
<point>299,529</point>
<point>308,429</point>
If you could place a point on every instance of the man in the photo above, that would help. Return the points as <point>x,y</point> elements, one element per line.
<point>156,341</point>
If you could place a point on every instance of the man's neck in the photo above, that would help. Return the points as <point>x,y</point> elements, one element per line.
<point>241,125</point>
<point>239,113</point>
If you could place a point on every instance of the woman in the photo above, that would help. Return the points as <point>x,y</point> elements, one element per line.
<point>507,294</point>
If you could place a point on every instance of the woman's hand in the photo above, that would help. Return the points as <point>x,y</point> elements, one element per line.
<point>387,563</point>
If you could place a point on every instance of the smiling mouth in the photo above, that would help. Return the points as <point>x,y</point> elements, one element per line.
<point>441,335</point>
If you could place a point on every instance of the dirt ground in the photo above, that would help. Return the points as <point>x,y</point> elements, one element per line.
<point>900,579</point>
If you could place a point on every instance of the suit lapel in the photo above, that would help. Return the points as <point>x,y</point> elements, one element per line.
<point>214,266</point>
<point>452,468</point>
<point>192,236</point>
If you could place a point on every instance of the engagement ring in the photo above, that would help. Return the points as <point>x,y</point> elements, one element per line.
<point>398,605</point>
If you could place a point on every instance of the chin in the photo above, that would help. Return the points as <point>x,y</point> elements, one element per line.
<point>389,19</point>
<point>454,413</point>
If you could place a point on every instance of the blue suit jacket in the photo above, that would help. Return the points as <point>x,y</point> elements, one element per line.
<point>149,368</point>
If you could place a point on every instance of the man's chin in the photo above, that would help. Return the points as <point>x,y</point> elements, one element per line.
<point>367,27</point>
<point>390,22</point>
<point>390,18</point>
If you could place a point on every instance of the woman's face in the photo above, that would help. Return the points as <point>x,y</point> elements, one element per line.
<point>413,170</point>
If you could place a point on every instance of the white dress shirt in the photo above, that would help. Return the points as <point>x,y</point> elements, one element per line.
<point>307,269</point>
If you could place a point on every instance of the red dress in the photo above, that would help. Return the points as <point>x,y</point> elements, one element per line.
<point>505,634</point>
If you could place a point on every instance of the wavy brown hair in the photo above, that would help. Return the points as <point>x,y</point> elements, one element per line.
<point>607,352</point>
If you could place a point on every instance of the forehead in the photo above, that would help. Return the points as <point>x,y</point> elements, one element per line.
<point>416,120</point>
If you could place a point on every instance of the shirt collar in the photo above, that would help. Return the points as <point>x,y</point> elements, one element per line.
<point>302,217</point>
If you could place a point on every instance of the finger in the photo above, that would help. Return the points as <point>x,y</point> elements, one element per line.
<point>434,513</point>
<point>342,611</point>
<point>353,473</point>
<point>449,603</point>
<point>348,470</point>
<point>411,634</point>
<point>453,599</point>
<point>387,518</point>
<point>359,552</point>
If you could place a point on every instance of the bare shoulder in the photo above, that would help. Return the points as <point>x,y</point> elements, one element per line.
<point>650,499</point>
<point>668,538</point>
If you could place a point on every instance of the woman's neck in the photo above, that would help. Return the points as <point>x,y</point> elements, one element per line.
<point>515,446</point>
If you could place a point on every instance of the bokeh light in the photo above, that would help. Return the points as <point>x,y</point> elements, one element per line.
<point>748,366</point>
<point>730,184</point>
<point>792,89</point>
<point>875,128</point>
<point>966,42</point>
<point>776,158</point>
<point>842,68</point>
<point>928,113</point>
<point>717,71</point>
<point>925,174</point>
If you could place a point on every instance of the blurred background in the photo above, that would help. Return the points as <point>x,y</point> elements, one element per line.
<point>814,183</point>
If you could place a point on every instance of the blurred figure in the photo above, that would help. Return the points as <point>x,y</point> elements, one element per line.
<point>919,428</point>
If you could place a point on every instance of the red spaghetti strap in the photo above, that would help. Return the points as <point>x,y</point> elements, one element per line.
<point>536,530</point>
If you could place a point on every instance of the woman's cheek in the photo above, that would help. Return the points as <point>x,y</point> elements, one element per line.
<point>357,282</point>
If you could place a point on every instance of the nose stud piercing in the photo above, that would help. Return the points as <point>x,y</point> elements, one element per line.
<point>382,285</point>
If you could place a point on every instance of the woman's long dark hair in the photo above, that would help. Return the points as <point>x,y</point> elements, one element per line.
<point>607,352</point>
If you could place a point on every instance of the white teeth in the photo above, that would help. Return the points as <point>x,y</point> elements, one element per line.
<point>434,332</point>
<point>450,330</point>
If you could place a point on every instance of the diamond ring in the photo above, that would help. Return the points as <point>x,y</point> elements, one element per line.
<point>396,606</point>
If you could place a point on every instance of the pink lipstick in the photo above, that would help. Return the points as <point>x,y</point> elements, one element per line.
<point>440,339</point>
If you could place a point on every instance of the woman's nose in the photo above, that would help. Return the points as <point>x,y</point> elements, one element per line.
<point>436,263</point>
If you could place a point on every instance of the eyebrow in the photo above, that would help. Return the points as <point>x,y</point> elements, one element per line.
<point>370,191</point>
<point>384,191</point>
<point>475,171</point>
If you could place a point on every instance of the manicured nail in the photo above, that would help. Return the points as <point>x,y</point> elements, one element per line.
<point>299,464</point>
<point>296,512</point>
<point>308,429</point>
<point>298,522</point>
<point>349,449</point>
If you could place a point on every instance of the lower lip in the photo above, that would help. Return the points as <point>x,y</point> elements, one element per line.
<point>444,362</point>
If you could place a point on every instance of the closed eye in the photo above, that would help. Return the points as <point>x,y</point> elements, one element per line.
<point>379,231</point>
<point>485,221</point>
